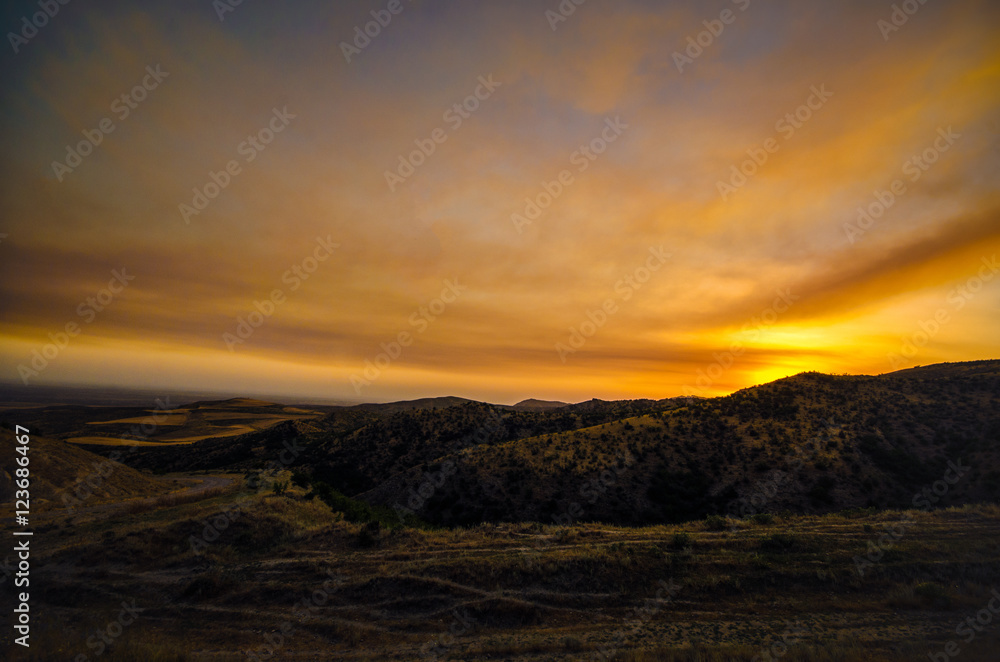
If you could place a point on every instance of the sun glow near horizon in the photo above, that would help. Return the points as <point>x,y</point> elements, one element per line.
<point>530,225</point>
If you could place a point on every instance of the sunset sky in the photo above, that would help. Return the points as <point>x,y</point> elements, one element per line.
<point>675,267</point>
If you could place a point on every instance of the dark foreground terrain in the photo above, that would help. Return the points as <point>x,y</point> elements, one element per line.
<point>815,518</point>
<point>286,575</point>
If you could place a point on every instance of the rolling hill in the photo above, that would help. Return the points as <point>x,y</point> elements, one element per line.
<point>811,443</point>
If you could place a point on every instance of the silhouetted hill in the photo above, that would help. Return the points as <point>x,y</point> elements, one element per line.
<point>807,443</point>
<point>534,405</point>
<point>407,405</point>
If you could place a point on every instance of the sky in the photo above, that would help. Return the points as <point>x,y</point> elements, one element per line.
<point>496,200</point>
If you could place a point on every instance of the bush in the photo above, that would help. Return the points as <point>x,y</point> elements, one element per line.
<point>715,523</point>
<point>355,510</point>
<point>762,518</point>
<point>680,540</point>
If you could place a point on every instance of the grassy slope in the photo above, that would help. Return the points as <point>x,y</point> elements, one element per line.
<point>890,437</point>
<point>528,592</point>
<point>58,468</point>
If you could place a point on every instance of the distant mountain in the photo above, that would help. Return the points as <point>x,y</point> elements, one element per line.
<point>808,443</point>
<point>407,405</point>
<point>537,405</point>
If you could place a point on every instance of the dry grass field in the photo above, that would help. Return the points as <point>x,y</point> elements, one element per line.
<point>350,591</point>
<point>817,518</point>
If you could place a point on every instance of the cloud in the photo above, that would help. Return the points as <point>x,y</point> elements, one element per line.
<point>657,185</point>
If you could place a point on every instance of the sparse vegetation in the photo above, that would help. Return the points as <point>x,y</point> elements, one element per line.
<point>715,523</point>
<point>715,496</point>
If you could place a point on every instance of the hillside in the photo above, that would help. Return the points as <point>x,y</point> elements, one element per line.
<point>517,592</point>
<point>587,531</point>
<point>357,448</point>
<point>809,443</point>
<point>58,469</point>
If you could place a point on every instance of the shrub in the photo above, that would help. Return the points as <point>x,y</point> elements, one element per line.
<point>715,523</point>
<point>680,540</point>
<point>357,511</point>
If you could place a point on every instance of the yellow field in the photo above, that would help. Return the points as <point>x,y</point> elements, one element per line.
<point>117,441</point>
<point>178,418</point>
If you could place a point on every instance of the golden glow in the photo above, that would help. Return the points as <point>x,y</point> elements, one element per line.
<point>855,296</point>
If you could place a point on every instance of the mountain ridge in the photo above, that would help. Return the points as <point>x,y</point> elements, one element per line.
<point>873,440</point>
